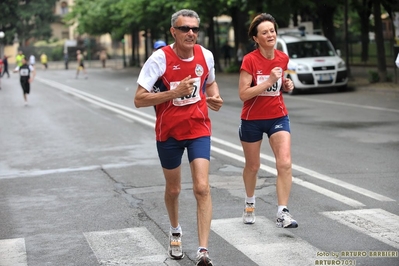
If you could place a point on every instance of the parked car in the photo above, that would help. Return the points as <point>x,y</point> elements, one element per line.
<point>314,63</point>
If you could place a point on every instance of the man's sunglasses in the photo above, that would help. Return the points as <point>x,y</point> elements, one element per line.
<point>186,29</point>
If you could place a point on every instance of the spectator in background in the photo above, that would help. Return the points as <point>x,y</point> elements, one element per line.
<point>66,59</point>
<point>43,60</point>
<point>103,57</point>
<point>226,51</point>
<point>18,58</point>
<point>32,60</point>
<point>158,45</point>
<point>5,63</point>
<point>1,70</point>
<point>81,65</point>
<point>240,54</point>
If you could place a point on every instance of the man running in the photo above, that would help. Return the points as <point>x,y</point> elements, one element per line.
<point>182,101</point>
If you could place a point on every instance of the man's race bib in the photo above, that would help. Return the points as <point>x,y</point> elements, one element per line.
<point>189,99</point>
<point>24,72</point>
<point>273,90</point>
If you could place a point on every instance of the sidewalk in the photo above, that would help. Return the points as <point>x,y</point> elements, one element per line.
<point>359,80</point>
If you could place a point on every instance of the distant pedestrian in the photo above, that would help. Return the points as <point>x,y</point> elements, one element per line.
<point>226,50</point>
<point>103,57</point>
<point>240,54</point>
<point>32,60</point>
<point>27,74</point>
<point>43,60</point>
<point>19,57</point>
<point>81,65</point>
<point>158,45</point>
<point>5,68</point>
<point>66,60</point>
<point>1,70</point>
<point>397,61</point>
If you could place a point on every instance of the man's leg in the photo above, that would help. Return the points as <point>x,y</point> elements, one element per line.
<point>202,193</point>
<point>172,191</point>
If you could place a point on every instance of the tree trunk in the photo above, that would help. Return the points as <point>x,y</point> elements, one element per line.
<point>240,25</point>
<point>379,40</point>
<point>326,15</point>
<point>364,11</point>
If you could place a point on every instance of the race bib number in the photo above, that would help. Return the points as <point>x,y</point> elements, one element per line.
<point>273,90</point>
<point>24,72</point>
<point>188,99</point>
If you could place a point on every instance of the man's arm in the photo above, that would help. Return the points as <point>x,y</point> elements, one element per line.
<point>33,74</point>
<point>213,98</point>
<point>144,98</point>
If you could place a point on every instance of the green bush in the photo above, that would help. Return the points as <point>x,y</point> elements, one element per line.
<point>232,69</point>
<point>57,53</point>
<point>373,76</point>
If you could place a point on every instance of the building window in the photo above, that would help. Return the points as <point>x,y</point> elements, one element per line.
<point>65,35</point>
<point>64,8</point>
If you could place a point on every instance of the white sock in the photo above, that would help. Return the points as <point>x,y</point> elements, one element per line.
<point>250,199</point>
<point>281,208</point>
<point>176,230</point>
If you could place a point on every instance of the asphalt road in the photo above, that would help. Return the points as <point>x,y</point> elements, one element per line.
<point>80,181</point>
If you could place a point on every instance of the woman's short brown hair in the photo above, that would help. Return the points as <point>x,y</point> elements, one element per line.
<point>253,28</point>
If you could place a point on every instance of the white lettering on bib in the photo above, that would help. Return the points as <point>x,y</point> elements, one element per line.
<point>194,97</point>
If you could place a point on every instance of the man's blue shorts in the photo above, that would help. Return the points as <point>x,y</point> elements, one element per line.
<point>170,152</point>
<point>252,130</point>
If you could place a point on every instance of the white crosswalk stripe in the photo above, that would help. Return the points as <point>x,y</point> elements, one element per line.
<point>131,246</point>
<point>261,242</point>
<point>263,245</point>
<point>377,223</point>
<point>13,252</point>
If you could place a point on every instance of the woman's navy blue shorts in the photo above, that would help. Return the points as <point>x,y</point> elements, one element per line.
<point>252,130</point>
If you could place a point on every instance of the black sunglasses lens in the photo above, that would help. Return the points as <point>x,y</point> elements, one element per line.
<point>187,29</point>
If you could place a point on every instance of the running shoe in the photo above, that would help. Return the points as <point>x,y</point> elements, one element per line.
<point>175,246</point>
<point>203,258</point>
<point>285,220</point>
<point>249,213</point>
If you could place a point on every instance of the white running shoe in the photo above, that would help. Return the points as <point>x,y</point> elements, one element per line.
<point>203,258</point>
<point>285,220</point>
<point>175,246</point>
<point>248,216</point>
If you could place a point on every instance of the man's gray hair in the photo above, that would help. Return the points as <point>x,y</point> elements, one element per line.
<point>184,13</point>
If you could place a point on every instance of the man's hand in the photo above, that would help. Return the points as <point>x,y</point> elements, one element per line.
<point>215,102</point>
<point>185,87</point>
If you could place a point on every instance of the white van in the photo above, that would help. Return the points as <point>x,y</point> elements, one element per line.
<point>313,63</point>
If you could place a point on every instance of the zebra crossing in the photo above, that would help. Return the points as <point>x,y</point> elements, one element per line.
<point>262,243</point>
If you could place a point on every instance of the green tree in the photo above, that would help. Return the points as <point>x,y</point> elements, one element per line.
<point>30,19</point>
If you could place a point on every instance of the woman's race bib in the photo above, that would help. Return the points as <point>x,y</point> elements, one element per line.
<point>273,90</point>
